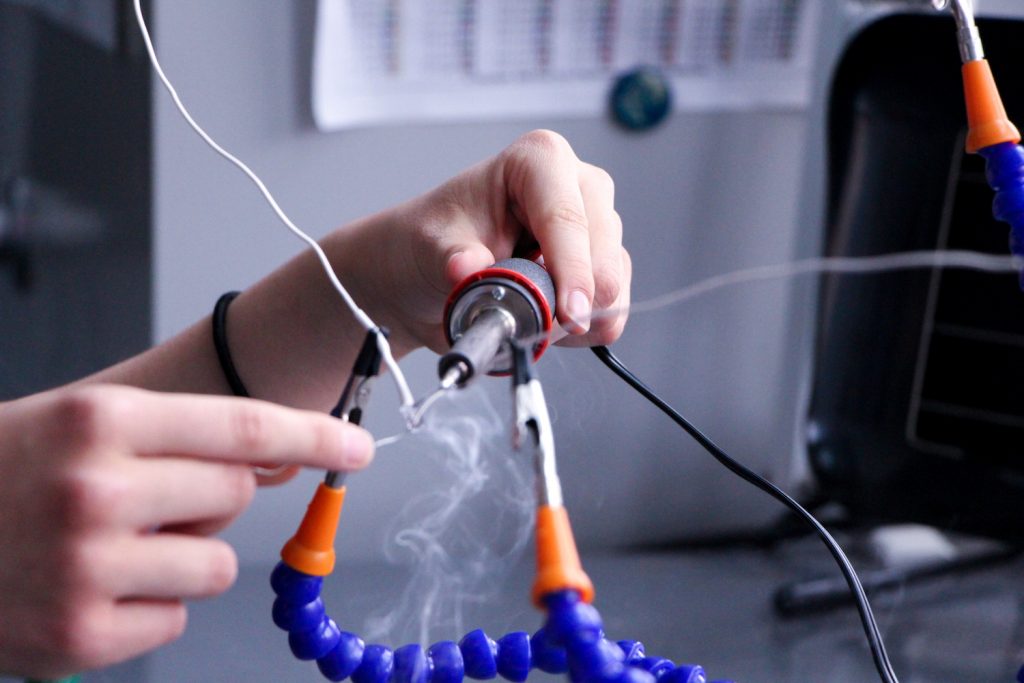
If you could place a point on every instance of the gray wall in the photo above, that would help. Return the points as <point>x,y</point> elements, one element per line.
<point>705,193</point>
<point>74,196</point>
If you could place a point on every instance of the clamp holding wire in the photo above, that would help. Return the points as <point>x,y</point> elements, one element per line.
<point>356,393</point>
<point>990,132</point>
<point>532,427</point>
<point>311,549</point>
<point>558,562</point>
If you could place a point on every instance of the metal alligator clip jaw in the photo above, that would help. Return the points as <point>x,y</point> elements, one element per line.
<point>356,394</point>
<point>558,562</point>
<point>533,426</point>
<point>311,550</point>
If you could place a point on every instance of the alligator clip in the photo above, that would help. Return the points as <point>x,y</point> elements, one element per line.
<point>532,429</point>
<point>558,562</point>
<point>356,393</point>
<point>311,550</point>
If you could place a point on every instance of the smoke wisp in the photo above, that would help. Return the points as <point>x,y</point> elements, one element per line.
<point>461,537</point>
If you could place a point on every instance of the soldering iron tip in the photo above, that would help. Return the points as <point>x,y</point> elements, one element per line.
<point>453,376</point>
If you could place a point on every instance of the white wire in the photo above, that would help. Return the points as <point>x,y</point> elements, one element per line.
<point>970,260</point>
<point>851,265</point>
<point>403,387</point>
<point>389,440</point>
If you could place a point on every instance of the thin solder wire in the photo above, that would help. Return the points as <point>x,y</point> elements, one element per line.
<point>851,265</point>
<point>963,259</point>
<point>403,387</point>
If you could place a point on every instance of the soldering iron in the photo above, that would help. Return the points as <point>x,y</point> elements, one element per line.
<point>512,301</point>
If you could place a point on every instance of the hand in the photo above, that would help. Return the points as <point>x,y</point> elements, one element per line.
<point>107,496</point>
<point>403,264</point>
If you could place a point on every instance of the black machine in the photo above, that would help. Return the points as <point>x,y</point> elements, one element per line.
<point>917,410</point>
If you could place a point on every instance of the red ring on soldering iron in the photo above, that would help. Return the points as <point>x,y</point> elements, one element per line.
<point>517,278</point>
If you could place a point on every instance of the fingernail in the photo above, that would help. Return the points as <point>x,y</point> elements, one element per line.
<point>359,447</point>
<point>579,310</point>
<point>452,270</point>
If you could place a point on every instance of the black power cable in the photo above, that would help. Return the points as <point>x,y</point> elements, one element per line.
<point>867,617</point>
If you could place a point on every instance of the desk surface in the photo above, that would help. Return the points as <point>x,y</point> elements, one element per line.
<point>709,607</point>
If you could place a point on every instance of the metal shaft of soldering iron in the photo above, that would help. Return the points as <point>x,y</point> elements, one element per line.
<point>474,352</point>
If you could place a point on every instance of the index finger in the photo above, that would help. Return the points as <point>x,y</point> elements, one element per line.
<point>236,430</point>
<point>543,175</point>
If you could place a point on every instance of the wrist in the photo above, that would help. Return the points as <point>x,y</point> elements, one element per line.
<point>372,260</point>
<point>292,338</point>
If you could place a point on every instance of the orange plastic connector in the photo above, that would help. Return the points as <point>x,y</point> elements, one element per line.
<point>311,549</point>
<point>558,562</point>
<point>986,116</point>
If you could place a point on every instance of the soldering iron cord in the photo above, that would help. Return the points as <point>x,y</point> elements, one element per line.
<point>867,617</point>
<point>403,387</point>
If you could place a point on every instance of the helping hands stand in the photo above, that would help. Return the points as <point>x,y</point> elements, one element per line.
<point>572,640</point>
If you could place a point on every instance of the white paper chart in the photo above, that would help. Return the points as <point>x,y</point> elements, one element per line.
<point>391,61</point>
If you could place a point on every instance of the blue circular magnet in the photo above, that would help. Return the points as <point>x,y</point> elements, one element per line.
<point>641,98</point>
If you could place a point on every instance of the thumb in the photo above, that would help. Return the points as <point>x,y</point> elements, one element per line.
<point>464,260</point>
